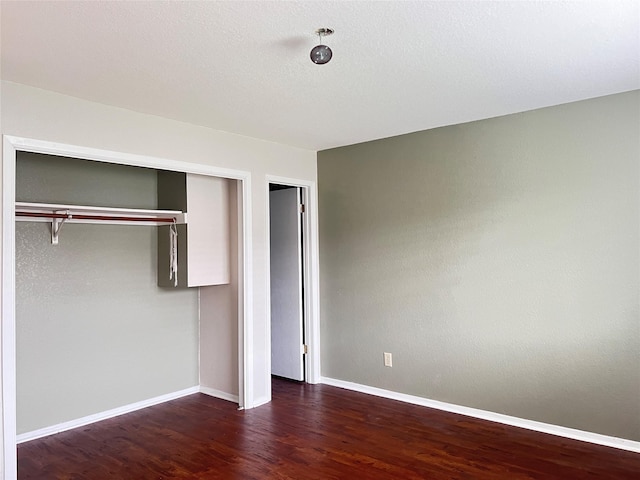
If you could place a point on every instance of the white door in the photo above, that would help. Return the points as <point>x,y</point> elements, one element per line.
<point>286,284</point>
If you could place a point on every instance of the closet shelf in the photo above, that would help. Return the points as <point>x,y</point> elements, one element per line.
<point>58,214</point>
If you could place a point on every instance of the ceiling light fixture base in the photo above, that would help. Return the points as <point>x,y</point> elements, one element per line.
<point>324,32</point>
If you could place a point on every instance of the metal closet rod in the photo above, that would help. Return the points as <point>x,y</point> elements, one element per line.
<point>80,216</point>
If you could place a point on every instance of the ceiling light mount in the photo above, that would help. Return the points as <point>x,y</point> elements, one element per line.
<point>321,54</point>
<point>324,32</point>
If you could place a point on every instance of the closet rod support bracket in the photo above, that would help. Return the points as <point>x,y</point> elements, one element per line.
<point>56,226</point>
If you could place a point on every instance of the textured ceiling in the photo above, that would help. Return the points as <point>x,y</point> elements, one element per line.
<point>397,67</point>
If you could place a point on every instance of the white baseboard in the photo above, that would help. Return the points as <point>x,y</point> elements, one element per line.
<point>96,417</point>
<point>566,432</point>
<point>220,394</point>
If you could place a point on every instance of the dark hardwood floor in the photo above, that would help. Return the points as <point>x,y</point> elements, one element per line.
<point>312,432</point>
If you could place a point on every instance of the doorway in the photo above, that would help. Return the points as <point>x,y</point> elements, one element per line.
<point>308,349</point>
<point>286,253</point>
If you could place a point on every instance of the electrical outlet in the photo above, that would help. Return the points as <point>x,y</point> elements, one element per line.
<point>388,360</point>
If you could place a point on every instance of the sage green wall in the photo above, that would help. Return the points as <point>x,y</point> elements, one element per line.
<point>498,261</point>
<point>94,332</point>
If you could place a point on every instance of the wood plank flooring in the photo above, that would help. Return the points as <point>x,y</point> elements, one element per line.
<point>312,432</point>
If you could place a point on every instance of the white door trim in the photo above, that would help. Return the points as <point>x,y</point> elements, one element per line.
<point>13,144</point>
<point>311,274</point>
<point>8,327</point>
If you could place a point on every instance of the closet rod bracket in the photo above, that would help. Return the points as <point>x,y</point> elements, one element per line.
<point>56,226</point>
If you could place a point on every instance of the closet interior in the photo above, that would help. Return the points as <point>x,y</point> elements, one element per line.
<point>126,287</point>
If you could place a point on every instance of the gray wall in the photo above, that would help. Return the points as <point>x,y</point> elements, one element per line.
<point>94,332</point>
<point>497,260</point>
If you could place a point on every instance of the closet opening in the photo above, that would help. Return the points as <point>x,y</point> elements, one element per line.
<point>88,330</point>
